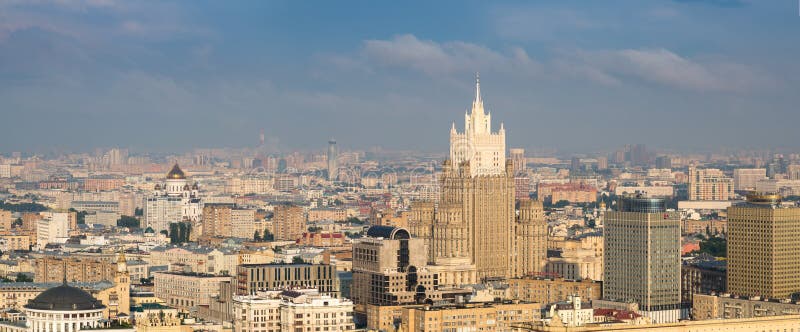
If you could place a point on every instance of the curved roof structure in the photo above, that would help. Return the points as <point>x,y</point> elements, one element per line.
<point>64,298</point>
<point>388,232</point>
<point>176,173</point>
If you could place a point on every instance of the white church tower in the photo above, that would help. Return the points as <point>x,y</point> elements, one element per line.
<point>484,150</point>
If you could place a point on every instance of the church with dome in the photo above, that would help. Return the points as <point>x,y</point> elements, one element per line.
<point>172,201</point>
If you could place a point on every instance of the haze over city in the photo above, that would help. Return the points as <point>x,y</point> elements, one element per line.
<point>371,166</point>
<point>568,75</point>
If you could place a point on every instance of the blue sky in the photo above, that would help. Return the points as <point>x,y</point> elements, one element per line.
<point>571,75</point>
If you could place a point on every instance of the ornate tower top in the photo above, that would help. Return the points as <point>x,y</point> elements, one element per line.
<point>483,149</point>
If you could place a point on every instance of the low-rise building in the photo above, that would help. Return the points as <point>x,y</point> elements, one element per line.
<point>711,306</point>
<point>470,317</point>
<point>277,311</point>
<point>186,291</point>
<point>543,290</point>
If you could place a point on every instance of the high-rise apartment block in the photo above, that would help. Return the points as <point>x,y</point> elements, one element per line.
<point>747,178</point>
<point>226,220</point>
<point>664,162</point>
<point>518,159</point>
<point>763,248</point>
<point>642,257</point>
<point>288,222</point>
<point>709,185</point>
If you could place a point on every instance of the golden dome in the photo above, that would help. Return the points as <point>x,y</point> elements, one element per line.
<point>176,173</point>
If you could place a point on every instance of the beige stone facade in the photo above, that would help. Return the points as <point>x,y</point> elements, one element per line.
<point>542,290</point>
<point>577,258</point>
<point>186,291</point>
<point>787,323</point>
<point>705,306</point>
<point>469,317</point>
<point>530,246</point>
<point>15,242</point>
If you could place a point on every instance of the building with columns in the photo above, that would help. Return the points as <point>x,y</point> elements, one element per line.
<point>61,309</point>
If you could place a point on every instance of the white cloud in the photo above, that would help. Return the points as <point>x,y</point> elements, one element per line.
<point>432,58</point>
<point>664,67</point>
<point>607,67</point>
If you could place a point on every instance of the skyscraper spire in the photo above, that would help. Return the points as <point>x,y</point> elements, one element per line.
<point>477,88</point>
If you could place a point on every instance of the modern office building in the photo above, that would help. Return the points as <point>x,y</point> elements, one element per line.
<point>642,257</point>
<point>389,253</point>
<point>252,278</point>
<point>763,249</point>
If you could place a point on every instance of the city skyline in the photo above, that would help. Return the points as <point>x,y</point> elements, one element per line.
<point>190,77</point>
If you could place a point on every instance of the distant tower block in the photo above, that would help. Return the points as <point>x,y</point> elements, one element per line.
<point>518,159</point>
<point>333,164</point>
<point>261,138</point>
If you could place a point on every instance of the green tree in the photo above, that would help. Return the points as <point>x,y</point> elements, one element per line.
<point>257,236</point>
<point>714,246</point>
<point>268,236</point>
<point>356,221</point>
<point>560,204</point>
<point>21,277</point>
<point>81,216</point>
<point>138,212</point>
<point>22,207</point>
<point>128,221</point>
<point>297,260</point>
<point>314,229</point>
<point>174,233</point>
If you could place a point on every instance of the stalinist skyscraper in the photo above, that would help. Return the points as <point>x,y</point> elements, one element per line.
<point>472,233</point>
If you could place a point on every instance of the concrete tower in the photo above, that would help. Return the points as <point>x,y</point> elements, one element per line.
<point>333,163</point>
